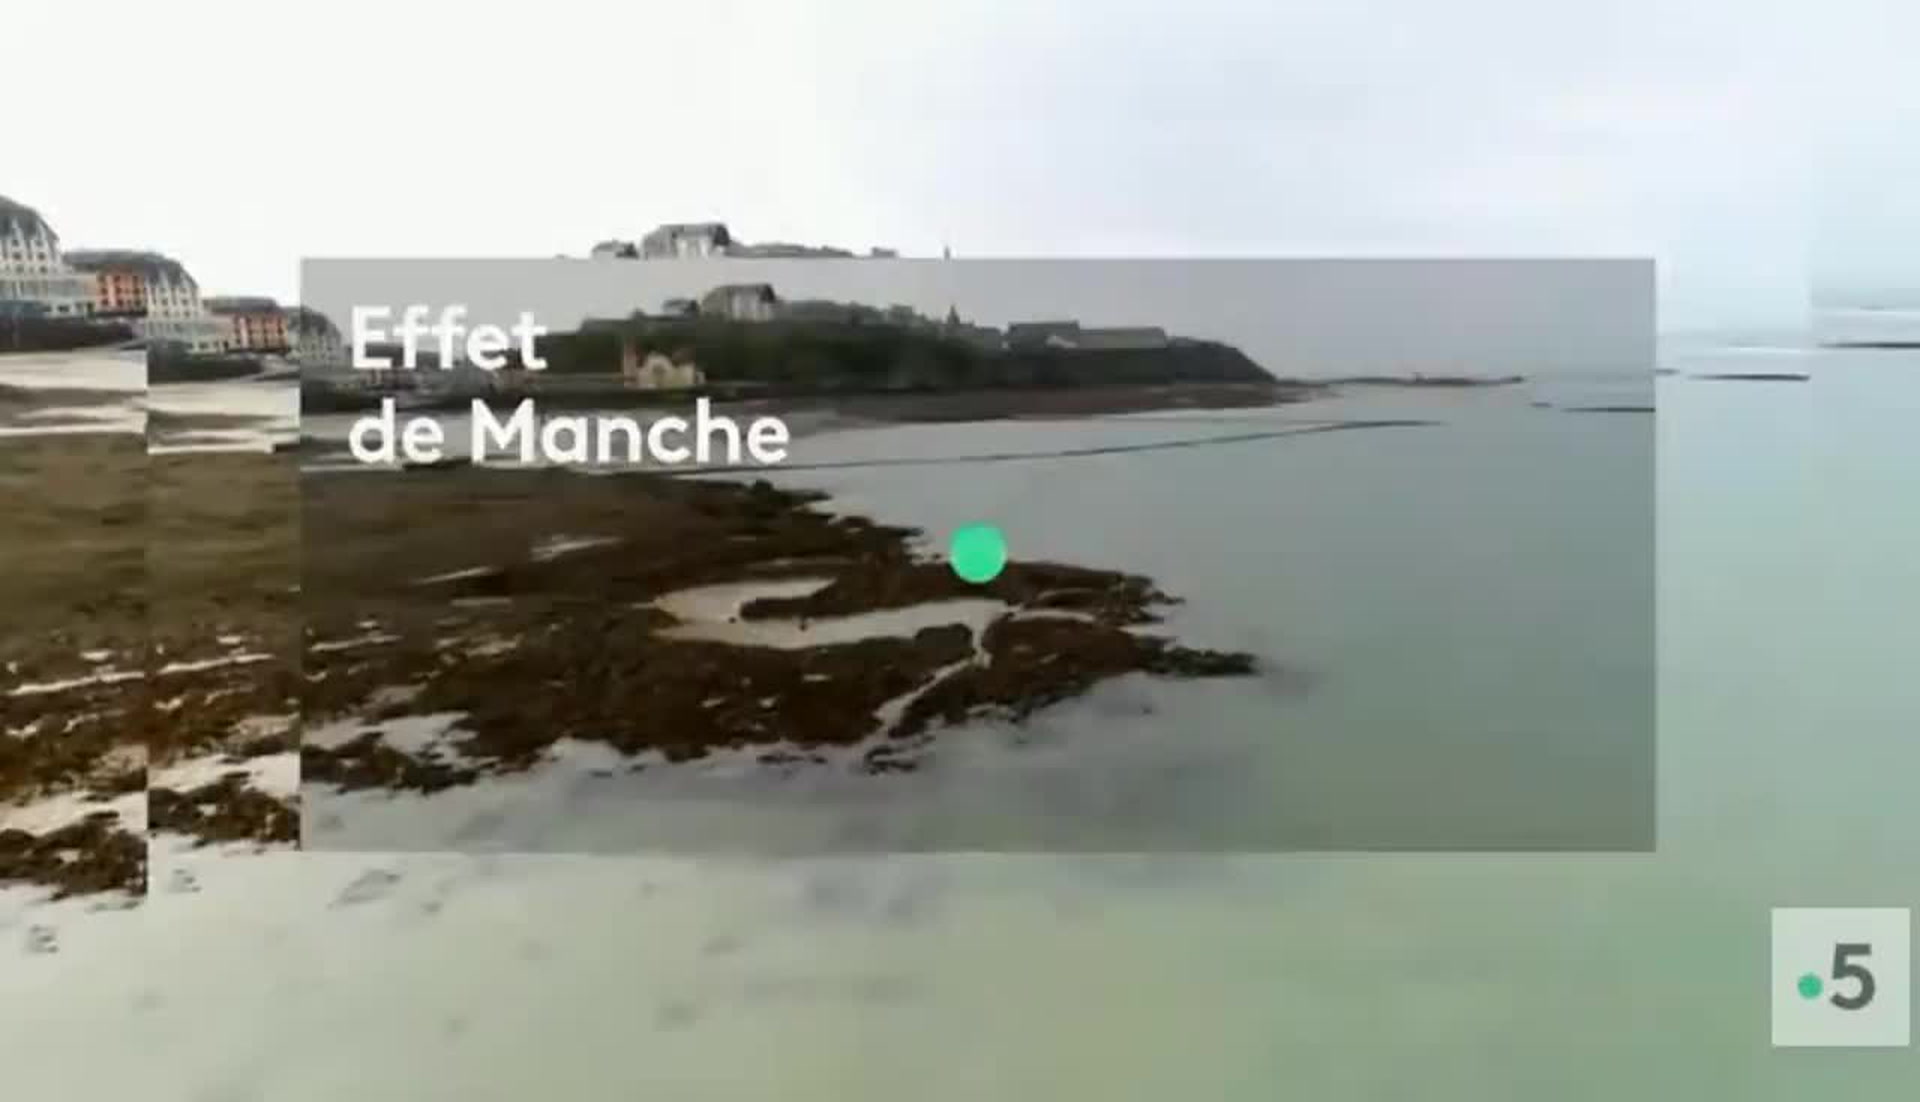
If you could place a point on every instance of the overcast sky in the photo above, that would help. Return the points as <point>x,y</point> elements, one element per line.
<point>1742,144</point>
<point>1293,317</point>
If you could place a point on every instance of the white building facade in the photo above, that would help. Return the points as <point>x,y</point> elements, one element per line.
<point>176,315</point>
<point>655,371</point>
<point>34,279</point>
<point>741,302</point>
<point>681,240</point>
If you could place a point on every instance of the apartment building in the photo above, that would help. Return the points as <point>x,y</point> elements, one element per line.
<point>34,278</point>
<point>156,292</point>
<point>255,324</point>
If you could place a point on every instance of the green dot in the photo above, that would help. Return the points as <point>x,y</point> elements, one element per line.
<point>978,553</point>
<point>1810,986</point>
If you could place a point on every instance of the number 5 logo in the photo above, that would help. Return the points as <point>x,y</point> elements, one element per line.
<point>1845,969</point>
<point>1841,977</point>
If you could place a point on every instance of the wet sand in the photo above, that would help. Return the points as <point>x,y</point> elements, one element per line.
<point>170,632</point>
<point>684,617</point>
<point>149,648</point>
<point>73,587</point>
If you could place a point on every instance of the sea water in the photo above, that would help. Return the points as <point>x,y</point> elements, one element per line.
<point>1451,601</point>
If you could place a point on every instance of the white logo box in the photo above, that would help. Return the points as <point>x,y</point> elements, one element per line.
<point>1842,977</point>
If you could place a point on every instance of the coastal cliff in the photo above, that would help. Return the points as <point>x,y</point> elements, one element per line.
<point>836,357</point>
<point>806,360</point>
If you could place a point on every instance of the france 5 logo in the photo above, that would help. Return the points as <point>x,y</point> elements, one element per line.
<point>1842,977</point>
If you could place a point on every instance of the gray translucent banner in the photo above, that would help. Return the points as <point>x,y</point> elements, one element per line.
<point>1299,555</point>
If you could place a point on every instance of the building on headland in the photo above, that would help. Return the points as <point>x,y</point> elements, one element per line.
<point>741,302</point>
<point>1043,334</point>
<point>788,250</point>
<point>679,308</point>
<point>615,250</point>
<point>35,280</point>
<point>655,370</point>
<point>169,310</point>
<point>1125,336</point>
<point>1070,334</point>
<point>681,240</point>
<point>823,311</point>
<point>255,324</point>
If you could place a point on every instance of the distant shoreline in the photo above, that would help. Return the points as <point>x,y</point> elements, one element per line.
<point>1443,381</point>
<point>920,404</point>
